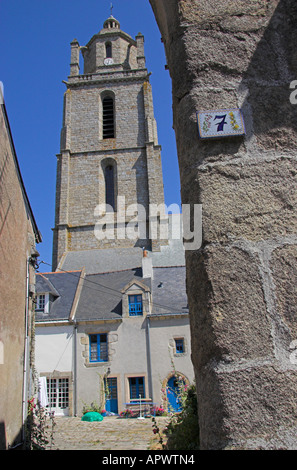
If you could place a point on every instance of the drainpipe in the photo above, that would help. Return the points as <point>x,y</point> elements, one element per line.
<point>150,375</point>
<point>75,369</point>
<point>26,346</point>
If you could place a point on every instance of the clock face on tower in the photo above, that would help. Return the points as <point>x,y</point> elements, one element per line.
<point>108,61</point>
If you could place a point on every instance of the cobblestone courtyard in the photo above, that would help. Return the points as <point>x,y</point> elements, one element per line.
<point>110,434</point>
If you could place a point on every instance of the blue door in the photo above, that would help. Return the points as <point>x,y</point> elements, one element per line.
<point>111,403</point>
<point>173,391</point>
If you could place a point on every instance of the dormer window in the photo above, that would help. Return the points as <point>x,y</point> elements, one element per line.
<point>135,305</point>
<point>42,303</point>
<point>136,301</point>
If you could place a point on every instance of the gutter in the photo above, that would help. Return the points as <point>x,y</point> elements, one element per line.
<point>159,315</point>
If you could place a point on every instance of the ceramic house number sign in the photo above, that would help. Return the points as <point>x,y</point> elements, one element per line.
<point>220,123</point>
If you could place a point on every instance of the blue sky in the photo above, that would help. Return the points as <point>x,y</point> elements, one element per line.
<point>35,38</point>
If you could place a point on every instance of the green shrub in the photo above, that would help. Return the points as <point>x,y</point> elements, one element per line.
<point>183,429</point>
<point>92,407</point>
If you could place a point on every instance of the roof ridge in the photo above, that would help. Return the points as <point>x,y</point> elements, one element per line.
<point>61,272</point>
<point>111,272</point>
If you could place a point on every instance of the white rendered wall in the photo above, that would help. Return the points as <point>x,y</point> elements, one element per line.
<point>54,348</point>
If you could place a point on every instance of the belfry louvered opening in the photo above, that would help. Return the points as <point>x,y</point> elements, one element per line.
<point>108,117</point>
<point>108,50</point>
<point>109,188</point>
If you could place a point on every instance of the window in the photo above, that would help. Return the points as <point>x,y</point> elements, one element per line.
<point>108,117</point>
<point>137,389</point>
<point>109,175</point>
<point>179,346</point>
<point>135,305</point>
<point>40,303</point>
<point>108,50</point>
<point>98,348</point>
<point>58,393</point>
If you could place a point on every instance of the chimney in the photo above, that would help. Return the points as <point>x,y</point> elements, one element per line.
<point>147,265</point>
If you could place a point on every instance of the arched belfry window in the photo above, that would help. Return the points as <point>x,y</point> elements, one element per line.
<point>108,50</point>
<point>108,117</point>
<point>109,176</point>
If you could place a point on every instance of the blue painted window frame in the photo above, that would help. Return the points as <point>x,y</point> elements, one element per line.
<point>99,353</point>
<point>179,346</point>
<point>135,305</point>
<point>137,387</point>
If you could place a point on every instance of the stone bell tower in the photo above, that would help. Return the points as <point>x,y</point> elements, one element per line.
<point>109,146</point>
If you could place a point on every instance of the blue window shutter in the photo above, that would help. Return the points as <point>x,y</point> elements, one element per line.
<point>98,348</point>
<point>135,305</point>
<point>137,387</point>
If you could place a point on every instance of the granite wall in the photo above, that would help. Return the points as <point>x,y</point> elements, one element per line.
<point>242,282</point>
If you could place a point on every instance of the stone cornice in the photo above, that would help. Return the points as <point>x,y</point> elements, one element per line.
<point>106,77</point>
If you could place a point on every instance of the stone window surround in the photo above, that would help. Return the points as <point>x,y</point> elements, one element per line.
<point>172,345</point>
<point>112,337</point>
<point>127,385</point>
<point>134,288</point>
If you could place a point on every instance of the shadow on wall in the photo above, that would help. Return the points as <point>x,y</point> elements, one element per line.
<point>2,436</point>
<point>267,79</point>
<point>17,444</point>
<point>241,62</point>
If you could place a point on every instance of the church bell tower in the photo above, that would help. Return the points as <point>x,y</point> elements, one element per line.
<point>109,155</point>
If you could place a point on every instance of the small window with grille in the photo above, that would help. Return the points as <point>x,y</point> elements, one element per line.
<point>179,345</point>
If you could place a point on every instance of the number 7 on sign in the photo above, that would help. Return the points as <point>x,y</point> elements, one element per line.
<point>222,123</point>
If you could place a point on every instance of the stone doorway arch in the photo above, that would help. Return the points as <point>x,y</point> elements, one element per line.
<point>173,386</point>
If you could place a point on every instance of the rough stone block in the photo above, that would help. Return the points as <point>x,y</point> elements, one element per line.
<point>267,397</point>
<point>284,269</point>
<point>254,201</point>
<point>230,319</point>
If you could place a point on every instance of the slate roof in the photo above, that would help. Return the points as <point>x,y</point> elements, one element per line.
<point>101,296</point>
<point>169,290</point>
<point>63,286</point>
